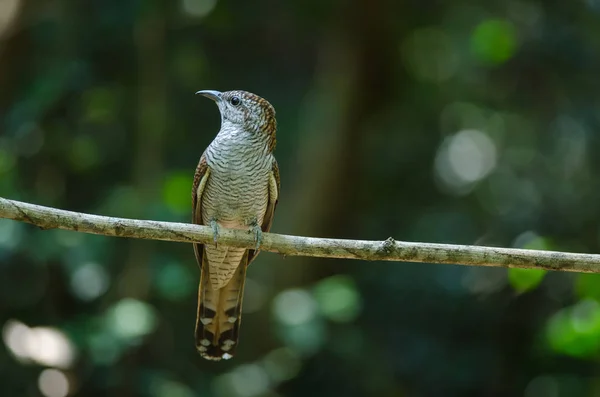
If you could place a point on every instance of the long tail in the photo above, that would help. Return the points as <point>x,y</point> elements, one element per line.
<point>219,313</point>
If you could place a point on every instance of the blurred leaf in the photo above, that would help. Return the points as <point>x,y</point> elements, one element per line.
<point>176,191</point>
<point>532,241</point>
<point>524,280</point>
<point>588,286</point>
<point>494,41</point>
<point>575,331</point>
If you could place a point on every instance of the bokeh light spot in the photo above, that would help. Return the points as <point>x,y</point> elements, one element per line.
<point>130,319</point>
<point>169,388</point>
<point>44,345</point>
<point>531,241</point>
<point>198,8</point>
<point>53,383</point>
<point>250,380</point>
<point>585,316</point>
<point>575,331</point>
<point>305,339</point>
<point>464,159</point>
<point>245,381</point>
<point>338,298</point>
<point>472,155</point>
<point>523,280</point>
<point>49,346</point>
<point>294,306</point>
<point>89,281</point>
<point>494,41</point>
<point>300,326</point>
<point>15,335</point>
<point>8,12</point>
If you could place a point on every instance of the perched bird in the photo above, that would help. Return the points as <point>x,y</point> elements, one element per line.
<point>236,186</point>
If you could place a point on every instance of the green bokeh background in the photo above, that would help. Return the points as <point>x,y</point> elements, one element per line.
<point>453,122</point>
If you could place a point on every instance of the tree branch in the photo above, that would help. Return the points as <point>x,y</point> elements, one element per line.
<point>388,250</point>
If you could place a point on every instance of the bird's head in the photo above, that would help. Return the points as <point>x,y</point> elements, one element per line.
<point>245,110</point>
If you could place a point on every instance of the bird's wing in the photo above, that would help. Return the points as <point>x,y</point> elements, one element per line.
<point>274,189</point>
<point>200,179</point>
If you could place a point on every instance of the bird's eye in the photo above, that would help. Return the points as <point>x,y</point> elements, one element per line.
<point>235,100</point>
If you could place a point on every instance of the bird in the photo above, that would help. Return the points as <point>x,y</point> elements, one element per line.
<point>236,185</point>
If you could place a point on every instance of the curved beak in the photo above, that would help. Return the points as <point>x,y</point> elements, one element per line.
<point>214,95</point>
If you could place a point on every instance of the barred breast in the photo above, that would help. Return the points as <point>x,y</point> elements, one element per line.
<point>236,195</point>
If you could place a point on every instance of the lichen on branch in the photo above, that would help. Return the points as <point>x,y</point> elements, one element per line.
<point>387,250</point>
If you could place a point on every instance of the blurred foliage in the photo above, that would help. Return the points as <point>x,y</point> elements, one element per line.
<point>460,122</point>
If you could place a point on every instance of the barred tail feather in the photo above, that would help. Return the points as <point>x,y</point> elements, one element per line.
<point>219,313</point>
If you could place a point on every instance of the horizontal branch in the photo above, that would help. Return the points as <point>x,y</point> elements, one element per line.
<point>388,250</point>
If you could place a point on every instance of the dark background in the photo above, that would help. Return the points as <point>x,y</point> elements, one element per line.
<point>440,121</point>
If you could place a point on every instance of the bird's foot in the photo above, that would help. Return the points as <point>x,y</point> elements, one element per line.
<point>215,227</point>
<point>258,235</point>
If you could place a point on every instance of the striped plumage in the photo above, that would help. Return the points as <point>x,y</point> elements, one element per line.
<point>236,185</point>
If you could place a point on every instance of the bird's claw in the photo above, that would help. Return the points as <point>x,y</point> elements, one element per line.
<point>258,236</point>
<point>215,227</point>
